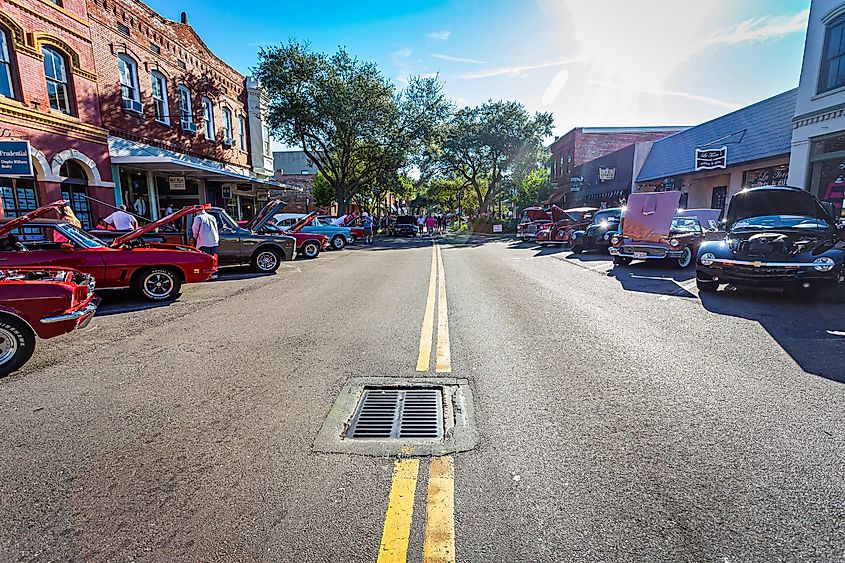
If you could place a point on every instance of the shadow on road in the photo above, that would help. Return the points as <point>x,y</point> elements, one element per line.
<point>811,331</point>
<point>654,277</point>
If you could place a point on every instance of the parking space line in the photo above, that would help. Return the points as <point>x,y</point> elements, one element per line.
<point>427,331</point>
<point>444,352</point>
<point>400,509</point>
<point>439,544</point>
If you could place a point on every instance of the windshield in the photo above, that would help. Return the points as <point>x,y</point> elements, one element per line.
<point>78,236</point>
<point>686,225</point>
<point>798,222</point>
<point>606,216</point>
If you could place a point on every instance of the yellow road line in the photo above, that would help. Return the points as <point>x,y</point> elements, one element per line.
<point>427,331</point>
<point>439,546</point>
<point>444,353</point>
<point>400,508</point>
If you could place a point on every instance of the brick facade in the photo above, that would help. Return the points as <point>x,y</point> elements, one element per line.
<point>65,133</point>
<point>583,145</point>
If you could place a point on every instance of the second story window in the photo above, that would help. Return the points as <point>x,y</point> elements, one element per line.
<point>159,85</point>
<point>833,59</point>
<point>7,85</point>
<point>208,118</point>
<point>242,132</point>
<point>58,87</point>
<point>186,113</point>
<point>228,134</point>
<point>128,70</point>
<point>265,132</point>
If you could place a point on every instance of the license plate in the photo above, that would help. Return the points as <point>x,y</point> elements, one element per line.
<point>641,255</point>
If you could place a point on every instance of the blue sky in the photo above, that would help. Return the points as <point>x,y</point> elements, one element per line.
<point>590,62</point>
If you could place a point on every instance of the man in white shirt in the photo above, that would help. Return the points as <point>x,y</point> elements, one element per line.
<point>204,230</point>
<point>121,220</point>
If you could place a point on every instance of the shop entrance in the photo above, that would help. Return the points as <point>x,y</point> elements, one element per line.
<point>719,198</point>
<point>75,192</point>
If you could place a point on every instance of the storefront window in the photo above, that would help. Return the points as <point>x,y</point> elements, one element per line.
<point>828,172</point>
<point>771,176</point>
<point>833,61</point>
<point>19,197</point>
<point>75,192</point>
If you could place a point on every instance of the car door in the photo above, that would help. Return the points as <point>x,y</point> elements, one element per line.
<point>230,248</point>
<point>43,252</point>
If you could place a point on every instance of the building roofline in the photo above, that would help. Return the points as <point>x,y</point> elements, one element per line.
<point>655,129</point>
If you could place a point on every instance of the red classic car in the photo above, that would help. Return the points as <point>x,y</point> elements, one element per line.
<point>43,302</point>
<point>157,271</point>
<point>566,222</point>
<point>533,219</point>
<point>307,244</point>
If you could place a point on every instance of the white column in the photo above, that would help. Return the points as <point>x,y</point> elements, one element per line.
<point>152,196</point>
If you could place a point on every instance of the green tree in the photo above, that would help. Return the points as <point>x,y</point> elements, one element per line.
<point>323,192</point>
<point>483,145</point>
<point>348,118</point>
<point>532,188</point>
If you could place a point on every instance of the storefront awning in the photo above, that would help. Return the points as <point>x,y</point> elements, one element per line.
<point>147,157</point>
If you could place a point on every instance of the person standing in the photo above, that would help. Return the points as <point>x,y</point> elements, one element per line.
<point>204,230</point>
<point>420,224</point>
<point>121,220</point>
<point>429,224</point>
<point>367,223</point>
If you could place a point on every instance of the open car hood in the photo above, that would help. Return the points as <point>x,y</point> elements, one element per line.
<point>771,200</point>
<point>270,210</point>
<point>302,223</point>
<point>150,227</point>
<point>538,213</point>
<point>346,220</point>
<point>559,214</point>
<point>15,223</point>
<point>648,216</point>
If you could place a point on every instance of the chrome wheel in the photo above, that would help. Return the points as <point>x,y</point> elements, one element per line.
<point>311,250</point>
<point>686,258</point>
<point>338,243</point>
<point>159,285</point>
<point>267,261</point>
<point>8,345</point>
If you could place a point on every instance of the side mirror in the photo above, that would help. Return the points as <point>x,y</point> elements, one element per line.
<point>66,247</point>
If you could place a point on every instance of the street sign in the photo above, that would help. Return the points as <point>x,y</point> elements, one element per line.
<point>497,228</point>
<point>711,159</point>
<point>15,159</point>
<point>177,182</point>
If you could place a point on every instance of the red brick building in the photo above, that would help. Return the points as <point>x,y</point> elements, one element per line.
<point>176,114</point>
<point>584,144</point>
<point>48,97</point>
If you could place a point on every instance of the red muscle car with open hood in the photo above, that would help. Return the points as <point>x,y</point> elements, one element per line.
<point>566,222</point>
<point>157,271</point>
<point>42,302</point>
<point>307,244</point>
<point>533,219</point>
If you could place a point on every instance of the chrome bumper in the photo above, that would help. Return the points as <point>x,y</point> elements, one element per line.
<point>754,264</point>
<point>666,254</point>
<point>87,310</point>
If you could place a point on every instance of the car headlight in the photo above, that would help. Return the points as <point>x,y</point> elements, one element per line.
<point>823,264</point>
<point>707,258</point>
<point>615,241</point>
<point>674,243</point>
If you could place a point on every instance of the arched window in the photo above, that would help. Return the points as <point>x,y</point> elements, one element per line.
<point>75,191</point>
<point>58,85</point>
<point>7,82</point>
<point>159,84</point>
<point>208,118</point>
<point>128,70</point>
<point>228,134</point>
<point>186,113</point>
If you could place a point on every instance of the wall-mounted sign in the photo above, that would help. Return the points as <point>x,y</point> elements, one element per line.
<point>226,192</point>
<point>711,159</point>
<point>176,182</point>
<point>606,174</point>
<point>575,183</point>
<point>15,159</point>
<point>772,176</point>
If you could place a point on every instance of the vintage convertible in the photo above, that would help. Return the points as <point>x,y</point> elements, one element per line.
<point>42,302</point>
<point>597,234</point>
<point>653,229</point>
<point>566,222</point>
<point>157,271</point>
<point>777,237</point>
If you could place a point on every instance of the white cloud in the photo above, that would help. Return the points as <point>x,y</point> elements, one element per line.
<point>452,59</point>
<point>759,29</point>
<point>441,35</point>
<point>663,92</point>
<point>514,70</point>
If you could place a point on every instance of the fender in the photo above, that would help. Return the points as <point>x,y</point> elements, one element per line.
<point>275,246</point>
<point>578,235</point>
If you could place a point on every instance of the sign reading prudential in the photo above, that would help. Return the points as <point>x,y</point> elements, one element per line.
<point>711,159</point>
<point>15,159</point>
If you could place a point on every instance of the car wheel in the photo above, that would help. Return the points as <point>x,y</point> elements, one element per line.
<point>352,239</point>
<point>158,284</point>
<point>686,258</point>
<point>266,260</point>
<point>621,261</point>
<point>338,243</point>
<point>310,249</point>
<point>706,286</point>
<point>17,343</point>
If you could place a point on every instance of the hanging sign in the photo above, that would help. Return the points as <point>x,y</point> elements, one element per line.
<point>711,159</point>
<point>606,174</point>
<point>177,182</point>
<point>15,159</point>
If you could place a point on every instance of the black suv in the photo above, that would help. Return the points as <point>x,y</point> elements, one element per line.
<point>404,226</point>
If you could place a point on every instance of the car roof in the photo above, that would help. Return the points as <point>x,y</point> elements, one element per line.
<point>783,188</point>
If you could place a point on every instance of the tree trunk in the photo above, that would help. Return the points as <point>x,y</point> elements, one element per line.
<point>340,196</point>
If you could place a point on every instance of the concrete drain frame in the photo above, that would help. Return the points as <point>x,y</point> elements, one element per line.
<point>458,411</point>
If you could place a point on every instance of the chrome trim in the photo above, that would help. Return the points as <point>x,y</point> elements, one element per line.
<point>757,264</point>
<point>89,309</point>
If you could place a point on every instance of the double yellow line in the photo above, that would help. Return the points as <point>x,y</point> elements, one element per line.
<point>439,543</point>
<point>437,281</point>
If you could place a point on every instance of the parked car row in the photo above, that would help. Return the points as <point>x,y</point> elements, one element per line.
<point>771,236</point>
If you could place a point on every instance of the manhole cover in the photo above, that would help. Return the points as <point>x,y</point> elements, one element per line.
<point>398,414</point>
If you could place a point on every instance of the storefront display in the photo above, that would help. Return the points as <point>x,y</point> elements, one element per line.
<point>770,176</point>
<point>828,172</point>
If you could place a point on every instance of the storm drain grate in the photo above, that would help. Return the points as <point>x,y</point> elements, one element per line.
<point>398,414</point>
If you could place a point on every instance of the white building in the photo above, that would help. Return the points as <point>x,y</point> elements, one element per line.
<point>259,133</point>
<point>817,161</point>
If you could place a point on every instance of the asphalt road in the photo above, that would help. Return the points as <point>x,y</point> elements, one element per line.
<point>619,418</point>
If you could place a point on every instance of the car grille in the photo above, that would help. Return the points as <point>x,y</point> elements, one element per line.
<point>764,273</point>
<point>649,251</point>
